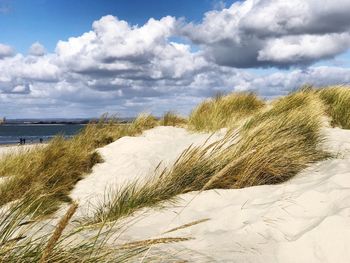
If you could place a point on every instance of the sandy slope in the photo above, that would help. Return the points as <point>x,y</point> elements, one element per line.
<point>304,220</point>
<point>132,158</point>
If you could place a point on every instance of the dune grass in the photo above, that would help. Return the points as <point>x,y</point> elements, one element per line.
<point>172,119</point>
<point>26,240</point>
<point>224,111</point>
<point>143,122</point>
<point>270,148</point>
<point>53,170</point>
<point>337,100</point>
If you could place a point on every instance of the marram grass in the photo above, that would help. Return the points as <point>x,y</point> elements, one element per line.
<point>53,170</point>
<point>270,148</point>
<point>337,101</point>
<point>24,240</point>
<point>172,119</point>
<point>224,111</point>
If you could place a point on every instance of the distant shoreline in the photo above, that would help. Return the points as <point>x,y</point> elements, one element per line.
<point>57,122</point>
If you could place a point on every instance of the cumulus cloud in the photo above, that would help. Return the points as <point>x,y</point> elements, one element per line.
<point>6,51</point>
<point>37,49</point>
<point>124,68</point>
<point>304,49</point>
<point>273,33</point>
<point>114,47</point>
<point>282,82</point>
<point>113,64</point>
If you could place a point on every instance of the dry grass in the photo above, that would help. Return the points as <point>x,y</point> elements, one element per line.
<point>270,148</point>
<point>25,240</point>
<point>58,233</point>
<point>151,242</point>
<point>172,119</point>
<point>337,100</point>
<point>52,171</point>
<point>285,140</point>
<point>224,111</point>
<point>143,122</point>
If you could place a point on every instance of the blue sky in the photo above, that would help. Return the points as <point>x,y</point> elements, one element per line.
<point>24,22</point>
<point>61,58</point>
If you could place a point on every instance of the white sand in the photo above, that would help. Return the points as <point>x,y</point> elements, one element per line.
<point>132,158</point>
<point>304,220</point>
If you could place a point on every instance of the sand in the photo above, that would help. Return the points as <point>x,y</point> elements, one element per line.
<point>133,158</point>
<point>306,219</point>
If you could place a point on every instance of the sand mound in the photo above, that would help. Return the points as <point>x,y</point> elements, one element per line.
<point>304,220</point>
<point>131,158</point>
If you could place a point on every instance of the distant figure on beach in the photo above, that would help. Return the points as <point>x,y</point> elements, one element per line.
<point>20,141</point>
<point>24,140</point>
<point>41,140</point>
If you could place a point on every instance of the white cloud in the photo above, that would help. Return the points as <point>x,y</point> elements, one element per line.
<point>303,48</point>
<point>6,51</point>
<point>118,67</point>
<point>249,33</point>
<point>37,49</point>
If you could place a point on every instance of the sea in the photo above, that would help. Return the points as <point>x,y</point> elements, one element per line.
<point>32,133</point>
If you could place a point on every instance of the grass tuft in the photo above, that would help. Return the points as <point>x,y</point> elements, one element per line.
<point>172,119</point>
<point>224,111</point>
<point>337,100</point>
<point>23,240</point>
<point>143,122</point>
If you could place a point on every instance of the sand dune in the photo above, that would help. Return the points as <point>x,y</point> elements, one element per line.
<point>304,220</point>
<point>133,158</point>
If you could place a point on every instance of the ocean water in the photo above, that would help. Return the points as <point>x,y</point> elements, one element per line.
<point>11,133</point>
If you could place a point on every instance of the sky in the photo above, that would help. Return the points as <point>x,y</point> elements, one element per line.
<point>63,58</point>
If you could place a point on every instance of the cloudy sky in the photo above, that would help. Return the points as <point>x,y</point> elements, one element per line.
<point>63,58</point>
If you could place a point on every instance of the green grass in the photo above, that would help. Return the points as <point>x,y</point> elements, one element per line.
<point>270,148</point>
<point>224,111</point>
<point>53,170</point>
